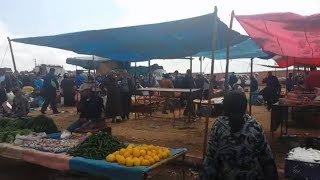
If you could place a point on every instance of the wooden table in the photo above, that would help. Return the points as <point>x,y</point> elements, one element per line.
<point>180,90</point>
<point>168,90</point>
<point>280,114</point>
<point>215,102</point>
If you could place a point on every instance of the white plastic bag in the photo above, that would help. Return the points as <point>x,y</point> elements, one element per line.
<point>10,97</point>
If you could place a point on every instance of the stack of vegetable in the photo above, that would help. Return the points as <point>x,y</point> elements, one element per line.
<point>97,146</point>
<point>42,123</point>
<point>9,128</point>
<point>142,155</point>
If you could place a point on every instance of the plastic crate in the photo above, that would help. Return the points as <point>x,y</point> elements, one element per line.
<point>302,170</point>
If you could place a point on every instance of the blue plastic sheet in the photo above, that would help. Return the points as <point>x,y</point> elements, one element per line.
<point>245,49</point>
<point>113,171</point>
<point>168,40</point>
<point>88,62</point>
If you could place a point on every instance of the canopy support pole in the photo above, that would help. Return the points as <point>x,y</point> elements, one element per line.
<point>251,76</point>
<point>135,87</point>
<point>287,71</point>
<point>12,56</point>
<point>190,95</point>
<point>226,76</point>
<point>201,59</point>
<point>210,95</point>
<point>149,74</point>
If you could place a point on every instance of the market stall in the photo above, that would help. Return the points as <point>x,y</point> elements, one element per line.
<point>98,153</point>
<point>302,104</point>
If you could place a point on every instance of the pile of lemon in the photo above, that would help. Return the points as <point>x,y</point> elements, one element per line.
<point>142,155</point>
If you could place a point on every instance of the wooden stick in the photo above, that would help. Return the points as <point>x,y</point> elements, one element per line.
<point>226,76</point>
<point>214,33</point>
<point>12,56</point>
<point>250,94</point>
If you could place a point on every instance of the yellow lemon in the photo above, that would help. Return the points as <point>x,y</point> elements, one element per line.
<point>116,153</point>
<point>156,158</point>
<point>136,153</point>
<point>141,157</point>
<point>151,161</point>
<point>149,153</point>
<point>121,160</point>
<point>164,155</point>
<point>126,154</point>
<point>129,151</point>
<point>147,157</point>
<point>154,151</point>
<point>129,162</point>
<point>111,158</point>
<point>145,162</point>
<point>136,161</point>
<point>143,152</point>
<point>122,151</point>
<point>168,152</point>
<point>131,146</point>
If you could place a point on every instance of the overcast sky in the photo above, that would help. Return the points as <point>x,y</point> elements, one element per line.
<point>24,18</point>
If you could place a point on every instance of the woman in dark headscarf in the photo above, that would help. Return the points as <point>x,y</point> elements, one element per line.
<point>237,148</point>
<point>68,90</point>
<point>113,105</point>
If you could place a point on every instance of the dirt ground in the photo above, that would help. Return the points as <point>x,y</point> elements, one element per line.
<point>164,131</point>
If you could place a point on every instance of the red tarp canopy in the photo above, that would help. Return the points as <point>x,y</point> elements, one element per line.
<point>285,34</point>
<point>284,62</point>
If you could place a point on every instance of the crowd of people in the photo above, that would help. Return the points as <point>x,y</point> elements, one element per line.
<point>237,148</point>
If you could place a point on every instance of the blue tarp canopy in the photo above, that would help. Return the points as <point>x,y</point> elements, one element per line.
<point>87,61</point>
<point>168,40</point>
<point>244,49</point>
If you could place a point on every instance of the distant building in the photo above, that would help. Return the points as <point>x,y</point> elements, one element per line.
<point>7,70</point>
<point>44,69</point>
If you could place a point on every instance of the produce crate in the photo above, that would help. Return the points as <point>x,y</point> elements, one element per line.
<point>301,170</point>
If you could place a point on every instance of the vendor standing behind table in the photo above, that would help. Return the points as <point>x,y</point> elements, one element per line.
<point>290,83</point>
<point>113,105</point>
<point>271,93</point>
<point>232,79</point>
<point>188,83</point>
<point>49,92</point>
<point>313,79</point>
<point>90,108</point>
<point>68,90</point>
<point>166,83</point>
<point>253,84</point>
<point>201,83</point>
<point>126,90</point>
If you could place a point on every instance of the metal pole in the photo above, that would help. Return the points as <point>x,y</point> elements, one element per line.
<point>149,73</point>
<point>13,61</point>
<point>251,76</point>
<point>190,95</point>
<point>226,76</point>
<point>287,71</point>
<point>214,32</point>
<point>135,87</point>
<point>94,69</point>
<point>201,59</point>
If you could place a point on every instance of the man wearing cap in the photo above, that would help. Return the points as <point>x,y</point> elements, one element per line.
<point>90,108</point>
